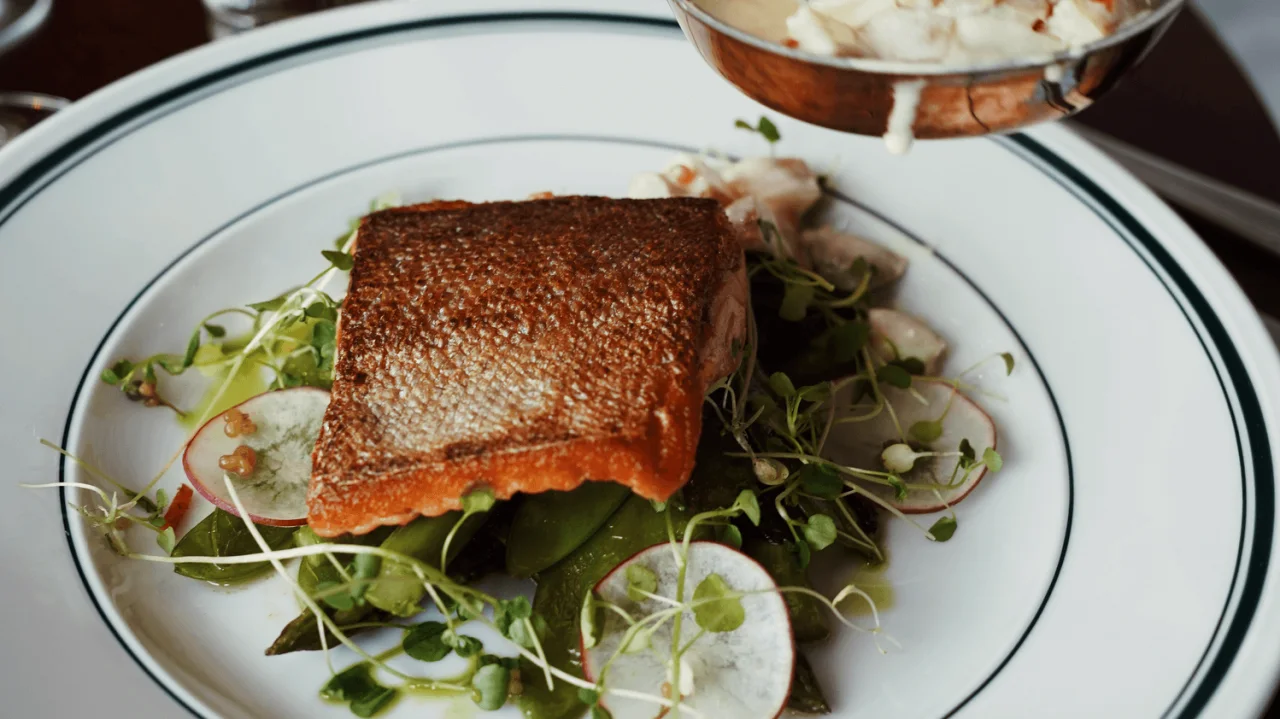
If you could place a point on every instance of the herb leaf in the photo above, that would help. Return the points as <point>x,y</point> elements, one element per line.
<point>926,431</point>
<point>848,339</point>
<point>730,535</point>
<point>270,305</point>
<point>796,299</point>
<point>721,612</point>
<point>373,702</point>
<point>339,259</point>
<point>967,455</point>
<point>193,345</point>
<point>222,534</point>
<point>341,601</point>
<point>781,384</point>
<point>765,128</point>
<point>992,459</point>
<point>1008,362</point>
<point>894,376</point>
<point>821,481</point>
<point>748,505</point>
<point>820,532</point>
<point>425,642</point>
<point>640,579</point>
<point>491,683</point>
<point>943,529</point>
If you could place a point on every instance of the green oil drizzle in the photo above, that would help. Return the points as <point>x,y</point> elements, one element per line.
<point>250,381</point>
<point>870,579</point>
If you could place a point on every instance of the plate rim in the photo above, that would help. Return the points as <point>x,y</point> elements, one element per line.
<point>1091,173</point>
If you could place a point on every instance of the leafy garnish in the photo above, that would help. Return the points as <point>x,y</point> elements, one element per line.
<point>425,642</point>
<point>821,480</point>
<point>716,608</point>
<point>820,532</point>
<point>943,529</point>
<point>640,581</point>
<point>765,128</point>
<point>339,259</point>
<point>491,683</point>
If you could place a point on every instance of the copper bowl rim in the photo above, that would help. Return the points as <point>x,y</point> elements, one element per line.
<point>1126,32</point>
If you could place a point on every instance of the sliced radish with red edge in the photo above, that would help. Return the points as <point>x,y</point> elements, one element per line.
<point>898,335</point>
<point>744,672</point>
<point>862,444</point>
<point>288,423</point>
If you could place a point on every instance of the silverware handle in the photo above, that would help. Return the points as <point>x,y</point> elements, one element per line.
<point>1248,215</point>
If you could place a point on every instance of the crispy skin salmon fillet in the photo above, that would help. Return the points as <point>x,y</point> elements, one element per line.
<point>524,346</point>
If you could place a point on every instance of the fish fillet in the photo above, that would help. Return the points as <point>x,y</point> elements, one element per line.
<point>525,347</point>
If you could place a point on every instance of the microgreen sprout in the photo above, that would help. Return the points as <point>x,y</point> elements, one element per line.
<point>765,128</point>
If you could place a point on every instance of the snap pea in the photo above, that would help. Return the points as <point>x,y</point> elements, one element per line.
<point>317,568</point>
<point>396,590</point>
<point>550,525</point>
<point>806,693</point>
<point>222,534</point>
<point>561,588</point>
<point>423,538</point>
<point>808,615</point>
<point>487,551</point>
<point>302,634</point>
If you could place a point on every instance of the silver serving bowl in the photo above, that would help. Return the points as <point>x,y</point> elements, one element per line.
<point>858,94</point>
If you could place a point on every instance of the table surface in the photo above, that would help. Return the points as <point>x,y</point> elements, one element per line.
<point>1189,102</point>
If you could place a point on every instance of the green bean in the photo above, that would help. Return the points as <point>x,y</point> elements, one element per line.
<point>422,539</point>
<point>550,525</point>
<point>561,588</point>
<point>806,692</point>
<point>302,634</point>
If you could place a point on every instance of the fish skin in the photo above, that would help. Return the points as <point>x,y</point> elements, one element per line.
<point>524,346</point>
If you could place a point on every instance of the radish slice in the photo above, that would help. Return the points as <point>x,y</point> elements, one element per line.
<point>288,422</point>
<point>832,253</point>
<point>743,673</point>
<point>862,444</point>
<point>898,335</point>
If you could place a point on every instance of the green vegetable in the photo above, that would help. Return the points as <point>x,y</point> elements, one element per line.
<point>808,615</point>
<point>356,685</point>
<point>491,684</point>
<point>302,634</point>
<point>640,581</point>
<point>821,480</point>
<point>550,525</point>
<point>943,529</point>
<point>397,590</point>
<point>719,612</point>
<point>425,642</point>
<point>765,128</point>
<point>222,534</point>
<point>559,600</point>
<point>806,693</point>
<point>486,552</point>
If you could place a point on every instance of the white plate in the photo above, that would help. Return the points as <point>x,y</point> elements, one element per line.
<point>1121,564</point>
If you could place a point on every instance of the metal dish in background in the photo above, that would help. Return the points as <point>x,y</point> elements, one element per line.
<point>20,111</point>
<point>18,18</point>
<point>857,94</point>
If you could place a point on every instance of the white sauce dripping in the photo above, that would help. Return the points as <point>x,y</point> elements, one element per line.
<point>900,135</point>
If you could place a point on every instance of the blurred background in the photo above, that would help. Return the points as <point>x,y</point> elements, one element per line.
<point>1251,29</point>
